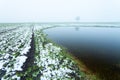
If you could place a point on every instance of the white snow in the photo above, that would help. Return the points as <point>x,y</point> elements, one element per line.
<point>19,62</point>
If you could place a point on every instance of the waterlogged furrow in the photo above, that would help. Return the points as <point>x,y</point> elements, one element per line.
<point>13,47</point>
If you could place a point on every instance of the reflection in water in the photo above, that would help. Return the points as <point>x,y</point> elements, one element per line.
<point>98,48</point>
<point>77,28</point>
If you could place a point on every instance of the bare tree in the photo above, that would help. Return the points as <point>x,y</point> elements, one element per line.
<point>77,18</point>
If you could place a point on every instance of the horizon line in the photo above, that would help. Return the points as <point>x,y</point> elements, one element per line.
<point>59,22</point>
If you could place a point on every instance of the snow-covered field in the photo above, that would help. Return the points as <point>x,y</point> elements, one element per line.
<point>13,47</point>
<point>50,63</point>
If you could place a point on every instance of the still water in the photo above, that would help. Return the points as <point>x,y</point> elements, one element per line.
<point>92,45</point>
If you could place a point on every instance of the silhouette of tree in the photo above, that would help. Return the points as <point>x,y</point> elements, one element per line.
<point>77,18</point>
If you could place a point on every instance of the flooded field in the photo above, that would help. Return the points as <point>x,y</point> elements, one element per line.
<point>98,47</point>
<point>55,51</point>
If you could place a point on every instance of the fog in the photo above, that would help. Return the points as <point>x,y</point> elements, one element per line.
<point>59,10</point>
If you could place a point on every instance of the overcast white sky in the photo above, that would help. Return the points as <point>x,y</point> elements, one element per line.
<point>59,10</point>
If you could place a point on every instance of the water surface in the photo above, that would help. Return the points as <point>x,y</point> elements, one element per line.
<point>95,46</point>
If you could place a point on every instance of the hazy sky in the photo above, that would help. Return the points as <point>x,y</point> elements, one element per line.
<point>59,10</point>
